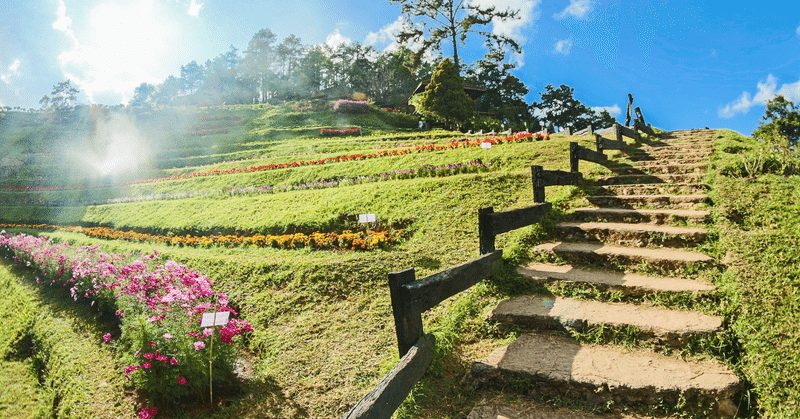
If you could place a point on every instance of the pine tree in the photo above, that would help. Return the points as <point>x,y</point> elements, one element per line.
<point>444,97</point>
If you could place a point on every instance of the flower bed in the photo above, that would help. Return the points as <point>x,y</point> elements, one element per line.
<point>351,106</point>
<point>159,305</point>
<point>346,240</point>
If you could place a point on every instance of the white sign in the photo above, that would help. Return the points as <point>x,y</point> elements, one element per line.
<point>215,319</point>
<point>366,218</point>
<point>486,145</point>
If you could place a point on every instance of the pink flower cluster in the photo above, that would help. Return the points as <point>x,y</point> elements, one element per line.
<point>169,296</point>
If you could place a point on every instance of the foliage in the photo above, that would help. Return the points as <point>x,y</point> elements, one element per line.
<point>452,21</point>
<point>780,125</point>
<point>351,106</point>
<point>505,93</point>
<point>444,96</point>
<point>561,109</point>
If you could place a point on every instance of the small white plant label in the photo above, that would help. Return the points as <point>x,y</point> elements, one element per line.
<point>486,145</point>
<point>215,319</point>
<point>366,218</point>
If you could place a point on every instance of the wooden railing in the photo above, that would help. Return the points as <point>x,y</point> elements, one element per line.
<point>412,297</point>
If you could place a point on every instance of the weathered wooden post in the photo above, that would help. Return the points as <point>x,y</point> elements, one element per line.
<point>573,157</point>
<point>407,318</point>
<point>538,184</point>
<point>485,230</point>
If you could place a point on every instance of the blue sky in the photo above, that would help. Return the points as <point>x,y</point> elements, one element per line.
<point>688,64</point>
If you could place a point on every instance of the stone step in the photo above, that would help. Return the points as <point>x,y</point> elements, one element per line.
<point>650,189</point>
<point>663,326</point>
<point>627,234</point>
<point>658,201</point>
<point>688,147</point>
<point>676,156</point>
<point>503,408</point>
<point>608,374</point>
<point>656,216</point>
<point>634,285</point>
<point>650,178</point>
<point>663,168</point>
<point>660,162</point>
<point>598,253</point>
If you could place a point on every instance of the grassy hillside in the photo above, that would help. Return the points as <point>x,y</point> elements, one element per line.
<point>324,330</point>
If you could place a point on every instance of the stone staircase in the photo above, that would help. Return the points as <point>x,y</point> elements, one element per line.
<point>650,214</point>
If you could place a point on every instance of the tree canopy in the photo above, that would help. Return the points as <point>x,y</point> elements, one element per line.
<point>450,21</point>
<point>444,96</point>
<point>559,107</point>
<point>780,123</point>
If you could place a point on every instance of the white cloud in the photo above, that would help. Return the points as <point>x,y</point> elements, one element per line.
<point>13,70</point>
<point>577,8</point>
<point>118,45</point>
<point>613,110</point>
<point>335,38</point>
<point>767,89</point>
<point>194,8</point>
<point>386,35</point>
<point>513,28</point>
<point>563,47</point>
<point>798,31</point>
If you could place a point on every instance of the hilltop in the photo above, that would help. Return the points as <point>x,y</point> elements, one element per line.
<point>324,333</point>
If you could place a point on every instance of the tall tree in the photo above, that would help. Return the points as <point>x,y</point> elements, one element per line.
<point>561,109</point>
<point>505,93</point>
<point>258,62</point>
<point>780,123</point>
<point>439,21</point>
<point>63,97</point>
<point>444,96</point>
<point>192,77</point>
<point>142,94</point>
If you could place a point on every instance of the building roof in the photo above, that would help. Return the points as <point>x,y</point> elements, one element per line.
<point>473,92</point>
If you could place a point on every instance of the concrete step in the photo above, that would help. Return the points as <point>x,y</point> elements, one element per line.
<point>676,156</point>
<point>658,201</point>
<point>662,326</point>
<point>629,284</point>
<point>503,408</point>
<point>633,235</point>
<point>650,178</point>
<point>660,162</point>
<point>650,189</point>
<point>598,253</point>
<point>608,374</point>
<point>663,168</point>
<point>656,216</point>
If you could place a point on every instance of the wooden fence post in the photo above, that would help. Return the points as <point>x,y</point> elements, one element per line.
<point>573,157</point>
<point>538,184</point>
<point>485,233</point>
<point>407,319</point>
<point>598,142</point>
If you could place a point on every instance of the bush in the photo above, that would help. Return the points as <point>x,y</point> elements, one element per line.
<point>351,106</point>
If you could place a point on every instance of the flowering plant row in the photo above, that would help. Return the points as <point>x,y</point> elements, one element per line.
<point>351,106</point>
<point>159,304</point>
<point>420,171</point>
<point>325,132</point>
<point>454,144</point>
<point>346,240</point>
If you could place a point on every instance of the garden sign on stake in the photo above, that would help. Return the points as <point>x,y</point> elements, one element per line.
<point>213,320</point>
<point>366,218</point>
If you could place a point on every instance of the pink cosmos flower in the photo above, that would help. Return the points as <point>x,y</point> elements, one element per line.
<point>107,338</point>
<point>148,412</point>
<point>167,336</point>
<point>173,361</point>
<point>181,380</point>
<point>199,345</point>
<point>147,365</point>
<point>148,355</point>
